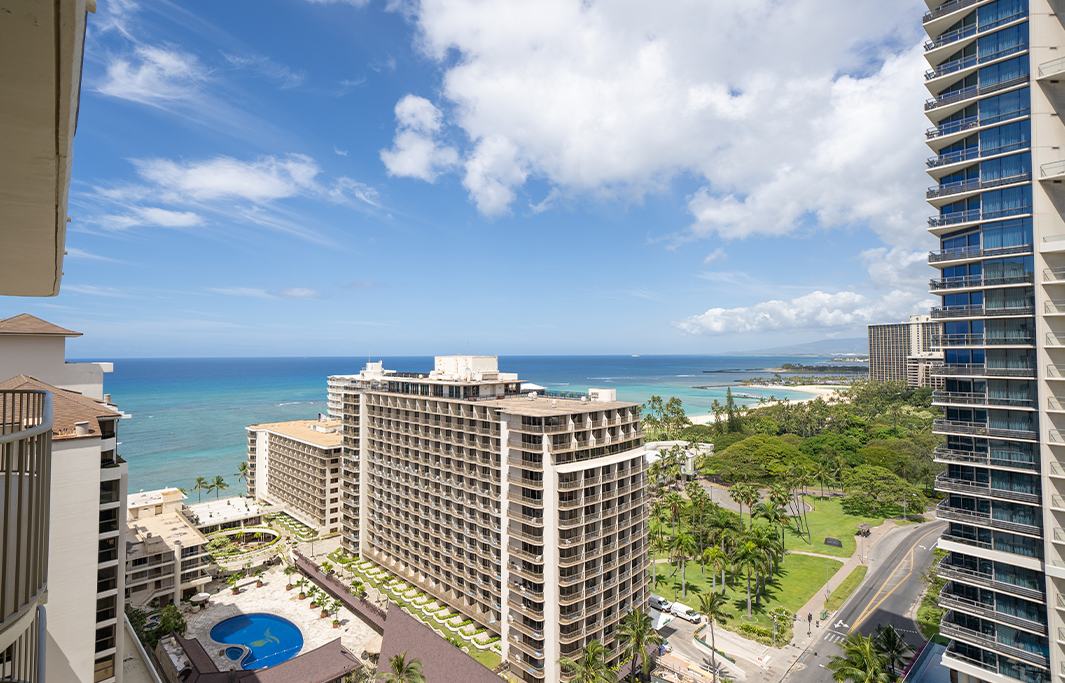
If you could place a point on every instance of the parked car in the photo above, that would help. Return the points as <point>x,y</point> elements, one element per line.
<point>684,612</point>
<point>659,603</point>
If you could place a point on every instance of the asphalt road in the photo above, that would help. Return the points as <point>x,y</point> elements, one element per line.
<point>887,595</point>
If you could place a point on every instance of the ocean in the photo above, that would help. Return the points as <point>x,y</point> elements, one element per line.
<point>189,414</point>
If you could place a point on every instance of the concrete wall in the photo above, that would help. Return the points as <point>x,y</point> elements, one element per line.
<point>45,359</point>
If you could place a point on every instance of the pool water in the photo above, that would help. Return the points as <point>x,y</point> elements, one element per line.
<point>234,653</point>
<point>270,639</point>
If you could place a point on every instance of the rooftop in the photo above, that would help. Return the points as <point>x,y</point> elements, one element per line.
<point>169,527</point>
<point>324,663</point>
<point>441,661</point>
<point>68,409</point>
<point>322,433</point>
<point>546,406</point>
<point>227,510</point>
<point>27,324</point>
<point>157,497</point>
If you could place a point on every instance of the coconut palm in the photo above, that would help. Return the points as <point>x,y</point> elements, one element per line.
<point>713,606</point>
<point>682,547</point>
<point>724,525</point>
<point>892,646</point>
<point>201,486</point>
<point>744,494</point>
<point>776,516</point>
<point>403,670</point>
<point>242,471</point>
<point>218,485</point>
<point>591,667</point>
<point>637,633</point>
<point>674,503</point>
<point>861,662</point>
<point>716,558</point>
<point>657,546</point>
<point>749,558</point>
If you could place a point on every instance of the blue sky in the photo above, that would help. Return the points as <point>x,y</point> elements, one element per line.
<point>337,178</point>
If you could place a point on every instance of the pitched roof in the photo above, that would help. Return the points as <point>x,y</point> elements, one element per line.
<point>441,661</point>
<point>24,323</point>
<point>325,663</point>
<point>68,408</point>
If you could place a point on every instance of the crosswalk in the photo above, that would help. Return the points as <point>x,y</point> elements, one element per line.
<point>834,637</point>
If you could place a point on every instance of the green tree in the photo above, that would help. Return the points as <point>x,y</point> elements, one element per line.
<point>713,606</point>
<point>403,670</point>
<point>749,558</point>
<point>861,662</point>
<point>744,494</point>
<point>637,633</point>
<point>675,503</point>
<point>774,515</point>
<point>590,667</point>
<point>652,413</point>
<point>674,420</point>
<point>683,547</point>
<point>717,559</point>
<point>171,621</point>
<point>201,486</point>
<point>892,646</point>
<point>242,471</point>
<point>872,489</point>
<point>757,459</point>
<point>218,485</point>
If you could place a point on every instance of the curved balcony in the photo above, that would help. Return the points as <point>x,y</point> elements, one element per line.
<point>951,630</point>
<point>948,255</point>
<point>25,472</point>
<point>947,8</point>
<point>975,216</point>
<point>973,91</point>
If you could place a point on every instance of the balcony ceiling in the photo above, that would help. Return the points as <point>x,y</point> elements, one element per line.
<point>40,83</point>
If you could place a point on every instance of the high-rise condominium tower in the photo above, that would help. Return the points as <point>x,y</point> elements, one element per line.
<point>997,80</point>
<point>525,513</point>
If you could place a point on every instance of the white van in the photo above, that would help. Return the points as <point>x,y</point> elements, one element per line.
<point>684,612</point>
<point>659,603</point>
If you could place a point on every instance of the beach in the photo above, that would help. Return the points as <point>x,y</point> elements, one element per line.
<point>814,391</point>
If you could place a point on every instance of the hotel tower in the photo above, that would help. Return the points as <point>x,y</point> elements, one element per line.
<point>997,81</point>
<point>526,513</point>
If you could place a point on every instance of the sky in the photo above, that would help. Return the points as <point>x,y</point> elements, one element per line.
<point>316,177</point>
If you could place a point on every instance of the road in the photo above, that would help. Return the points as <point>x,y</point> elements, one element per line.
<point>887,595</point>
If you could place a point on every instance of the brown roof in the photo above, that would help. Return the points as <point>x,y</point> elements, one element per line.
<point>24,323</point>
<point>68,408</point>
<point>441,661</point>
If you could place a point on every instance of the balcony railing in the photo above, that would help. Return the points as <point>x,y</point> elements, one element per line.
<point>977,518</point>
<point>982,488</point>
<point>980,281</point>
<point>951,601</point>
<point>979,399</point>
<point>980,311</point>
<point>971,30</point>
<point>973,91</point>
<point>974,185</point>
<point>969,254</point>
<point>947,8</point>
<point>944,426</point>
<point>1054,66</point>
<point>25,472</point>
<point>975,578</point>
<point>986,640</point>
<point>980,340</point>
<point>973,215</point>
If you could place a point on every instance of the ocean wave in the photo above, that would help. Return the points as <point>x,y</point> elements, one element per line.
<point>290,403</point>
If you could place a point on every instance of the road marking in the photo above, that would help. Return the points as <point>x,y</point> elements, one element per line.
<point>871,607</point>
<point>840,624</point>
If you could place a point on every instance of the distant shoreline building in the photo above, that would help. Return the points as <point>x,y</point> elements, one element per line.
<point>526,512</point>
<point>905,352</point>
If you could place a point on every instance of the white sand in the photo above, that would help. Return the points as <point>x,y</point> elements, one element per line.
<point>826,391</point>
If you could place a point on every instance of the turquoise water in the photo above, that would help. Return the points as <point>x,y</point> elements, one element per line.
<point>270,638</point>
<point>189,414</point>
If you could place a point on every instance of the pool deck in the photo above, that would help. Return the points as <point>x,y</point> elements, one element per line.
<point>272,598</point>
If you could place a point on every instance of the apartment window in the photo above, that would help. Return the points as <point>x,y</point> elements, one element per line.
<point>140,562</point>
<point>105,608</point>
<point>107,458</point>
<point>108,550</point>
<point>105,638</point>
<point>106,579</point>
<point>108,520</point>
<point>103,669</point>
<point>109,491</point>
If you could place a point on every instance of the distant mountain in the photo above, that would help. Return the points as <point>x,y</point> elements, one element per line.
<point>825,347</point>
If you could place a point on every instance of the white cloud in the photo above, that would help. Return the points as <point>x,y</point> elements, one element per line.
<point>896,267</point>
<point>153,75</point>
<point>289,293</point>
<point>264,179</point>
<point>268,68</point>
<point>340,152</point>
<point>151,216</point>
<point>299,293</point>
<point>73,252</point>
<point>617,99</point>
<point>816,310</point>
<point>415,152</point>
<point>716,255</point>
<point>353,3</point>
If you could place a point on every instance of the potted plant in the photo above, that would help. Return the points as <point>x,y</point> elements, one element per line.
<point>232,581</point>
<point>336,613</point>
<point>313,593</point>
<point>289,571</point>
<point>326,567</point>
<point>259,578</point>
<point>301,583</point>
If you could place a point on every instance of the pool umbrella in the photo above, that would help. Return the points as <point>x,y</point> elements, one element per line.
<point>200,597</point>
<point>374,646</point>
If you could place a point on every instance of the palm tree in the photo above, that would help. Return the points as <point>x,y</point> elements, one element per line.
<point>683,547</point>
<point>201,486</point>
<point>657,546</point>
<point>744,494</point>
<point>892,646</point>
<point>776,516</point>
<point>591,667</point>
<point>242,471</point>
<point>637,632</point>
<point>748,556</point>
<point>403,670</point>
<point>716,557</point>
<point>674,503</point>
<point>725,525</point>
<point>713,606</point>
<point>860,662</point>
<point>219,484</point>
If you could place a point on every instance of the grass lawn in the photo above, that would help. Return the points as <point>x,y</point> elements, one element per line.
<point>799,579</point>
<point>844,590</point>
<point>828,519</point>
<point>488,658</point>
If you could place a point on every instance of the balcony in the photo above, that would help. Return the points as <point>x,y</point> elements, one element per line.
<point>976,518</point>
<point>981,370</point>
<point>980,281</point>
<point>1055,67</point>
<point>975,254</point>
<point>945,454</point>
<point>969,31</point>
<point>947,8</point>
<point>980,340</point>
<point>986,580</point>
<point>988,641</point>
<point>976,488</point>
<point>943,426</point>
<point>976,608</point>
<point>973,91</point>
<point>974,216</point>
<point>962,187</point>
<point>981,311</point>
<point>25,472</point>
<point>979,399</point>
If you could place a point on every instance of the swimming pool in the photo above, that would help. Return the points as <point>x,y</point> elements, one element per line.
<point>270,639</point>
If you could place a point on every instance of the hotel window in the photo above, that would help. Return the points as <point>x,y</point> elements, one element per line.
<point>109,491</point>
<point>106,579</point>
<point>108,520</point>
<point>105,608</point>
<point>103,669</point>
<point>108,550</point>
<point>105,638</point>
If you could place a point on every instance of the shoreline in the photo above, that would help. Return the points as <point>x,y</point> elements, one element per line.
<point>815,390</point>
